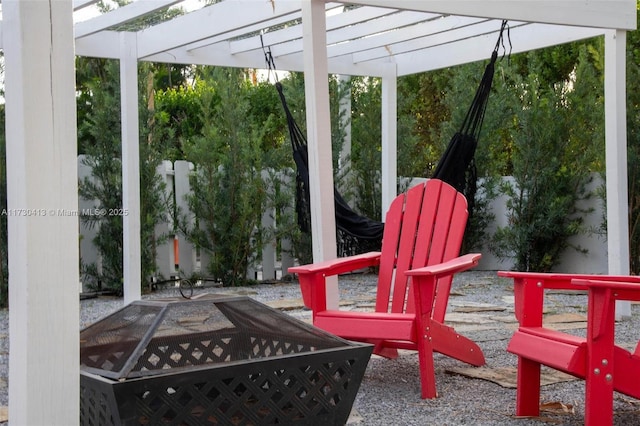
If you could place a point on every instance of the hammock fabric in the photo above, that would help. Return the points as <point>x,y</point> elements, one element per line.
<point>355,233</point>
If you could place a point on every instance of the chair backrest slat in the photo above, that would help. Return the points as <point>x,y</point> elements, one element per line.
<point>424,226</point>
<point>455,235</point>
<point>410,221</point>
<point>390,238</point>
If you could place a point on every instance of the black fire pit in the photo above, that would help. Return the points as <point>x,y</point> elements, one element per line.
<point>220,360</point>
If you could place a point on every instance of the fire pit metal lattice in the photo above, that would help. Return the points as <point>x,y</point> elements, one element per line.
<point>219,360</point>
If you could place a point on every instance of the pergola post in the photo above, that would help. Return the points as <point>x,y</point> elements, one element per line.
<point>389,136</point>
<point>616,157</point>
<point>132,268</point>
<point>42,201</point>
<point>323,227</point>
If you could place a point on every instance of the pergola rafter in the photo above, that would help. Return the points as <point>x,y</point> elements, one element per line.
<point>120,16</point>
<point>619,14</point>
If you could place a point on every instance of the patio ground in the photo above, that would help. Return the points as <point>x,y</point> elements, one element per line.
<point>481,307</point>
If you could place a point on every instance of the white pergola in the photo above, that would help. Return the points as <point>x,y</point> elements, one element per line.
<point>382,38</point>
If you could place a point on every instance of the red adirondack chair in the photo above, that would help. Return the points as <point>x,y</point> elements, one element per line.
<point>419,256</point>
<point>603,365</point>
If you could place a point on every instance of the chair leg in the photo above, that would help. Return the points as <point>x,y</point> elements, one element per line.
<point>600,377</point>
<point>528,392</point>
<point>448,342</point>
<point>380,349</point>
<point>389,353</point>
<point>427,368</point>
<point>598,407</point>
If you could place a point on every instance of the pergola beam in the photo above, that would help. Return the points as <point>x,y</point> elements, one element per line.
<point>105,44</point>
<point>432,39</point>
<point>524,39</point>
<point>352,19</point>
<point>119,16</point>
<point>412,30</point>
<point>81,4</point>
<point>593,13</point>
<point>341,37</point>
<point>210,21</point>
<point>219,55</point>
<point>261,26</point>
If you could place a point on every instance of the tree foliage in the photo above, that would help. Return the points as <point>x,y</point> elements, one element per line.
<point>178,117</point>
<point>555,143</point>
<point>228,194</point>
<point>100,136</point>
<point>425,102</point>
<point>101,123</point>
<point>366,134</point>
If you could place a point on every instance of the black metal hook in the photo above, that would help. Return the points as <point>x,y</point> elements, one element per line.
<point>500,41</point>
<point>268,57</point>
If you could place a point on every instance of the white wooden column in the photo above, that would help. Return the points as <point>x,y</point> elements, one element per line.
<point>42,200</point>
<point>616,157</point>
<point>389,118</point>
<point>323,226</point>
<point>130,167</point>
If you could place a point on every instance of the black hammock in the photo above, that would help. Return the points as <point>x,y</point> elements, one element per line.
<point>457,165</point>
<point>355,233</point>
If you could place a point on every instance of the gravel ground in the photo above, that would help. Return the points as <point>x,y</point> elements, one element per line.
<point>390,390</point>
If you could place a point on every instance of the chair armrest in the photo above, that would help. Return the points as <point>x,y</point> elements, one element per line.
<point>312,276</point>
<point>626,290</point>
<point>428,302</point>
<point>560,281</point>
<point>450,267</point>
<point>602,297</point>
<point>528,289</point>
<point>339,265</point>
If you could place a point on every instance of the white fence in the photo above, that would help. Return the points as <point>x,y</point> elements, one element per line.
<point>180,253</point>
<point>594,261</point>
<point>177,253</point>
